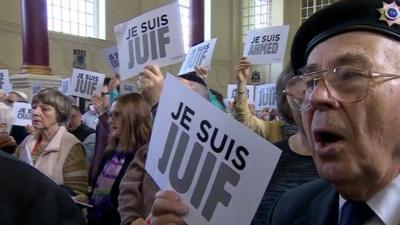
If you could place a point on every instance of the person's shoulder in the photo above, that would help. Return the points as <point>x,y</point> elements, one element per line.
<point>30,192</point>
<point>296,201</point>
<point>86,128</point>
<point>12,168</point>
<point>69,137</point>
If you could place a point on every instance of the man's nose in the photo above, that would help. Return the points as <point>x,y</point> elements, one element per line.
<point>320,97</point>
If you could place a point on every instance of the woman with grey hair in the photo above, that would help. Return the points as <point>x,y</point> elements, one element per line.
<point>52,149</point>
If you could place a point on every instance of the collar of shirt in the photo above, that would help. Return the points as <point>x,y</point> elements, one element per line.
<point>385,204</point>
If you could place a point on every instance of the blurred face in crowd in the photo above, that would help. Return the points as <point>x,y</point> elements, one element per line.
<point>115,120</point>
<point>75,120</point>
<point>3,96</point>
<point>44,116</point>
<point>11,98</point>
<point>356,146</point>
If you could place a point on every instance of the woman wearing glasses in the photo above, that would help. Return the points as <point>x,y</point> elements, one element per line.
<point>129,122</point>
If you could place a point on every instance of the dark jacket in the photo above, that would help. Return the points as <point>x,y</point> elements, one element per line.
<point>29,197</point>
<point>82,132</point>
<point>102,131</point>
<point>313,203</point>
<point>112,217</point>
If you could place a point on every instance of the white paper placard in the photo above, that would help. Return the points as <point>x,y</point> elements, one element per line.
<point>22,113</point>
<point>36,87</point>
<point>200,54</point>
<point>85,83</point>
<point>26,155</point>
<point>65,86</point>
<point>127,88</point>
<point>231,93</point>
<point>265,96</point>
<point>216,164</point>
<point>110,55</point>
<point>5,84</point>
<point>265,46</point>
<point>154,37</point>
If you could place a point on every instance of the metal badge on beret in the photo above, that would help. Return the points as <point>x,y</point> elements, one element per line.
<point>390,13</point>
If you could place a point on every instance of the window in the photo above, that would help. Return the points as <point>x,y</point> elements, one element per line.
<point>184,6</point>
<point>256,14</point>
<point>309,7</point>
<point>77,17</point>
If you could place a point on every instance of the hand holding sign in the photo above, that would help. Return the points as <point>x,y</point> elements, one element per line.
<point>151,83</point>
<point>114,82</point>
<point>242,71</point>
<point>99,105</point>
<point>201,72</point>
<point>208,158</point>
<point>168,208</point>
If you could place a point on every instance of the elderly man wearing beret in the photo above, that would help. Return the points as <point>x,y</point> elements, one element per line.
<point>348,58</point>
<point>348,90</point>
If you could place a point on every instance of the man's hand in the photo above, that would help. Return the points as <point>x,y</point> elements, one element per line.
<point>99,105</point>
<point>114,82</point>
<point>242,70</point>
<point>168,209</point>
<point>151,83</point>
<point>201,72</point>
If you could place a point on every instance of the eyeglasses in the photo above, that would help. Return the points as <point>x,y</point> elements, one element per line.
<point>104,94</point>
<point>114,115</point>
<point>347,84</point>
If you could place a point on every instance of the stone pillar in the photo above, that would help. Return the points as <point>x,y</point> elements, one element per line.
<point>196,22</point>
<point>35,37</point>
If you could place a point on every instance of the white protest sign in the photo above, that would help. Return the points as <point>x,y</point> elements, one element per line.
<point>110,55</point>
<point>26,155</point>
<point>65,86</point>
<point>231,92</point>
<point>36,87</point>
<point>198,55</point>
<point>85,83</point>
<point>127,88</point>
<point>5,84</point>
<point>265,96</point>
<point>267,45</point>
<point>216,164</point>
<point>22,113</point>
<point>154,37</point>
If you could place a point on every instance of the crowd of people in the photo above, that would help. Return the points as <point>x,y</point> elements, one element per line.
<point>340,166</point>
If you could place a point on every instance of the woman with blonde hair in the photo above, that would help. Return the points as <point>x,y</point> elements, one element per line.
<point>129,122</point>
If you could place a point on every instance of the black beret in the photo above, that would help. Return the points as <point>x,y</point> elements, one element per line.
<point>345,16</point>
<point>192,76</point>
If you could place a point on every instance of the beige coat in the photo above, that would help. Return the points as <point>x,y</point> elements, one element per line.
<point>51,160</point>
